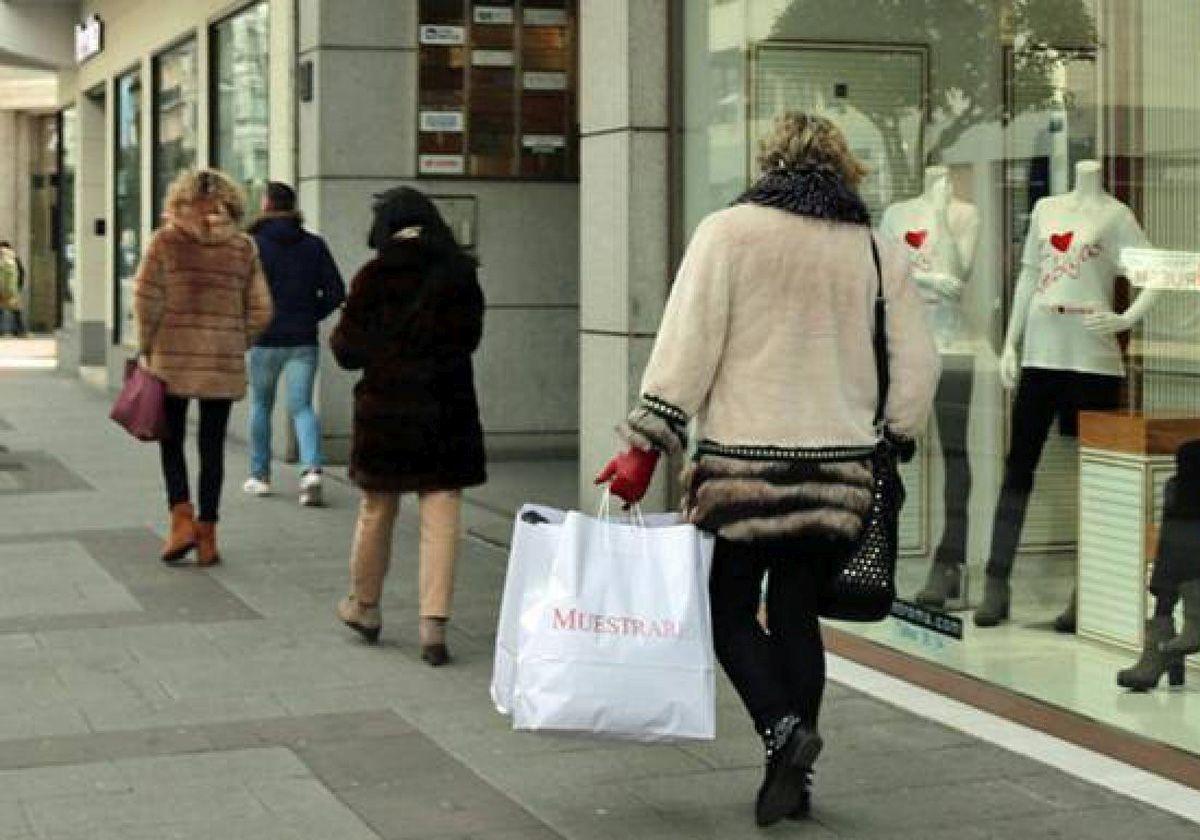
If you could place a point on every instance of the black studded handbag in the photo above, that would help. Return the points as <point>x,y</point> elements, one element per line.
<point>862,586</point>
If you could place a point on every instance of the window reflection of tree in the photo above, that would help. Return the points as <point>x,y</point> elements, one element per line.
<point>966,87</point>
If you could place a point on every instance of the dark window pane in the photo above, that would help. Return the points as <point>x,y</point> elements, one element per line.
<point>175,117</point>
<point>241,110</point>
<point>127,206</point>
<point>443,11</point>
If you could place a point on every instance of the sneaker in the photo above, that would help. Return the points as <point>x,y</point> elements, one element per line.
<point>310,489</point>
<point>257,487</point>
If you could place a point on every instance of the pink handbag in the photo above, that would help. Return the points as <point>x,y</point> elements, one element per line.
<point>140,408</point>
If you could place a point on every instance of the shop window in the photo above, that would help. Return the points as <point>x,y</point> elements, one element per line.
<point>1009,151</point>
<point>175,117</point>
<point>127,206</point>
<point>68,254</point>
<point>240,87</point>
<point>497,89</point>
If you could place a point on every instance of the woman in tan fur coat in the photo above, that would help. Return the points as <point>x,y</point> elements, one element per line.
<point>201,299</point>
<point>766,344</point>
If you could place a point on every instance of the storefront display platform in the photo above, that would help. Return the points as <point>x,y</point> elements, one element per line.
<point>1024,666</point>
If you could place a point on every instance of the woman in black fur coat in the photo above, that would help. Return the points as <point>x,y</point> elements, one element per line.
<point>412,320</point>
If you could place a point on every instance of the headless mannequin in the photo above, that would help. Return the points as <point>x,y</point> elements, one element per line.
<point>1088,197</point>
<point>939,234</point>
<point>1062,314</point>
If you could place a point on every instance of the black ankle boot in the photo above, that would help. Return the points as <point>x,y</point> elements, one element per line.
<point>804,809</point>
<point>1154,661</point>
<point>791,749</point>
<point>1065,622</point>
<point>944,582</point>
<point>995,605</point>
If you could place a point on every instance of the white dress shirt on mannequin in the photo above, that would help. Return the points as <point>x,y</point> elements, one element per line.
<point>938,234</point>
<point>1064,298</point>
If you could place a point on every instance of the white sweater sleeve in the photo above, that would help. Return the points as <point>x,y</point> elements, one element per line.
<point>914,365</point>
<point>689,345</point>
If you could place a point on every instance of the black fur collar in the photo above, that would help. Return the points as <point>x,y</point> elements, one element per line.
<point>818,192</point>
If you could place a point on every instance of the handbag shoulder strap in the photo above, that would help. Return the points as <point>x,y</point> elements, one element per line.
<point>879,339</point>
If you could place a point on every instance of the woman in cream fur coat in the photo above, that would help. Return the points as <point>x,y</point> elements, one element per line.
<point>765,346</point>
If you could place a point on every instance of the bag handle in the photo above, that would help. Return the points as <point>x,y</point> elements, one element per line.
<point>879,341</point>
<point>604,512</point>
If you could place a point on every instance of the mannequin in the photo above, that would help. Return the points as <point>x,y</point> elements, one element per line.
<point>939,234</point>
<point>1069,360</point>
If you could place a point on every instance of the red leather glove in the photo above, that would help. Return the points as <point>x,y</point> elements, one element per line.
<point>628,475</point>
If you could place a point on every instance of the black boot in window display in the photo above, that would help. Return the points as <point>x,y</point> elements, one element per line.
<point>1188,640</point>
<point>1065,622</point>
<point>1147,672</point>
<point>943,585</point>
<point>995,606</point>
<point>791,749</point>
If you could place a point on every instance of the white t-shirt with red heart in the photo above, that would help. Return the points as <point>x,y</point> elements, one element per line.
<point>1072,254</point>
<point>914,227</point>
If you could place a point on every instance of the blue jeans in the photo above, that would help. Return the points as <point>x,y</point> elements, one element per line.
<point>298,365</point>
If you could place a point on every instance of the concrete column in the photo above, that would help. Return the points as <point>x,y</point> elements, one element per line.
<point>358,129</point>
<point>358,137</point>
<point>94,268</point>
<point>624,226</point>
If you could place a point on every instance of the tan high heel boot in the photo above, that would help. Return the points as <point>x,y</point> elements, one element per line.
<point>206,544</point>
<point>182,537</point>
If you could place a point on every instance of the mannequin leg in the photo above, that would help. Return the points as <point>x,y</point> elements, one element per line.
<point>1036,403</point>
<point>1033,413</point>
<point>953,414</point>
<point>953,407</point>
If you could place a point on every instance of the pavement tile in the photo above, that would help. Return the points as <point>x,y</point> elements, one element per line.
<point>308,807</point>
<point>76,780</point>
<point>12,820</point>
<point>901,809</point>
<point>411,809</point>
<point>41,723</point>
<point>64,815</point>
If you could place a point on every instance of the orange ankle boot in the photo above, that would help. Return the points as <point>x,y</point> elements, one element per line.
<point>206,544</point>
<point>182,538</point>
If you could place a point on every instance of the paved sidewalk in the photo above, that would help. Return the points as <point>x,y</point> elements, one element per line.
<point>145,703</point>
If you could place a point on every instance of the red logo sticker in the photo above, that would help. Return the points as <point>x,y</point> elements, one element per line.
<point>1062,241</point>
<point>916,238</point>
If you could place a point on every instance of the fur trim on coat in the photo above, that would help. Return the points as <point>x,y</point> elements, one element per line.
<point>648,429</point>
<point>201,299</point>
<point>817,192</point>
<point>770,500</point>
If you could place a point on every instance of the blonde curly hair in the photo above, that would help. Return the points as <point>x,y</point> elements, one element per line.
<point>193,186</point>
<point>798,139</point>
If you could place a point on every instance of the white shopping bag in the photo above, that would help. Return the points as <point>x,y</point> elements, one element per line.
<point>536,534</point>
<point>617,642</point>
<point>535,540</point>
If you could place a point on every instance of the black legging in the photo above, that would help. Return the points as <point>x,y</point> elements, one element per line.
<point>1042,395</point>
<point>953,407</point>
<point>214,420</point>
<point>783,672</point>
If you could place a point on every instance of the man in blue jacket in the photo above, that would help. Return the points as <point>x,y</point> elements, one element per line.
<point>306,287</point>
